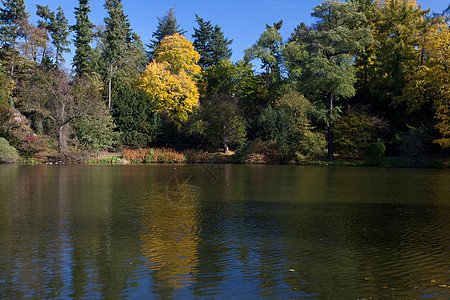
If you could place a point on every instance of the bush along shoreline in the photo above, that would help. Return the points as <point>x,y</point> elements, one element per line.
<point>257,156</point>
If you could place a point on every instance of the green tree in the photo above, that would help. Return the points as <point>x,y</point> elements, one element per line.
<point>331,44</point>
<point>133,113</point>
<point>82,61</point>
<point>221,123</point>
<point>220,45</point>
<point>295,55</point>
<point>269,49</point>
<point>59,30</point>
<point>210,43</point>
<point>12,11</point>
<point>5,87</point>
<point>117,39</point>
<point>356,130</point>
<point>288,124</point>
<point>96,129</point>
<point>167,26</point>
<point>227,78</point>
<point>5,112</point>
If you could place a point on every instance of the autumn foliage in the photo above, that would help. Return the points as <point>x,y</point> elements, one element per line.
<point>171,78</point>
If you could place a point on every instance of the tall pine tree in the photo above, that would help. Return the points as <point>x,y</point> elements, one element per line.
<point>167,25</point>
<point>59,29</point>
<point>210,43</point>
<point>220,46</point>
<point>12,11</point>
<point>117,39</point>
<point>82,61</point>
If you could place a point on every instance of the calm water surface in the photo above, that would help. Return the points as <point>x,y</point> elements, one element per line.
<point>211,231</point>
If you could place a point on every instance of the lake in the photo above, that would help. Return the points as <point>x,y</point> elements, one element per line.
<point>223,231</point>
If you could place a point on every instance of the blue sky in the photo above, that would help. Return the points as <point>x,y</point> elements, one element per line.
<point>243,21</point>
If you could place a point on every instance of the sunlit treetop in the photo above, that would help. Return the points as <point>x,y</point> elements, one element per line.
<point>180,54</point>
<point>388,3</point>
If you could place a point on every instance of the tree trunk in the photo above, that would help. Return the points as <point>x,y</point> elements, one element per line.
<point>109,86</point>
<point>330,156</point>
<point>62,138</point>
<point>227,149</point>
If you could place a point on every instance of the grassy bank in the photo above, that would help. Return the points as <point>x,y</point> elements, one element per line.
<point>171,156</point>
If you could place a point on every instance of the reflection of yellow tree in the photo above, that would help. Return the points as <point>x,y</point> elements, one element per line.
<point>169,235</point>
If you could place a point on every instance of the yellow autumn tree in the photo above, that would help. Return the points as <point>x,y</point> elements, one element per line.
<point>438,49</point>
<point>171,78</point>
<point>389,3</point>
<point>431,82</point>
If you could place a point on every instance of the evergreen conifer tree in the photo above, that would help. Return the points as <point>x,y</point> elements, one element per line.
<point>210,43</point>
<point>167,25</point>
<point>12,11</point>
<point>220,46</point>
<point>202,39</point>
<point>59,29</point>
<point>117,39</point>
<point>82,61</point>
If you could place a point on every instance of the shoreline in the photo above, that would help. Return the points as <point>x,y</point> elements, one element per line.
<point>117,158</point>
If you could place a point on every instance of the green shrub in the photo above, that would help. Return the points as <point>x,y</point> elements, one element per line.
<point>110,160</point>
<point>267,152</point>
<point>196,156</point>
<point>355,131</point>
<point>5,121</point>
<point>8,153</point>
<point>375,154</point>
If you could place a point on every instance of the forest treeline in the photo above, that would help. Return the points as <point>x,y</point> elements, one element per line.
<point>367,78</point>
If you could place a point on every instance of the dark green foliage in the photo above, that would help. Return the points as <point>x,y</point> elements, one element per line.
<point>167,25</point>
<point>221,123</point>
<point>12,11</point>
<point>210,43</point>
<point>414,143</point>
<point>220,46</point>
<point>96,130</point>
<point>5,121</point>
<point>4,87</point>
<point>331,43</point>
<point>355,131</point>
<point>132,112</point>
<point>5,112</point>
<point>122,49</point>
<point>202,39</point>
<point>117,34</point>
<point>59,29</point>
<point>288,124</point>
<point>269,50</point>
<point>230,79</point>
<point>259,152</point>
<point>375,154</point>
<point>46,14</point>
<point>82,61</point>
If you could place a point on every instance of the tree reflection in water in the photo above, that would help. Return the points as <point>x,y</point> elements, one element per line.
<point>169,234</point>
